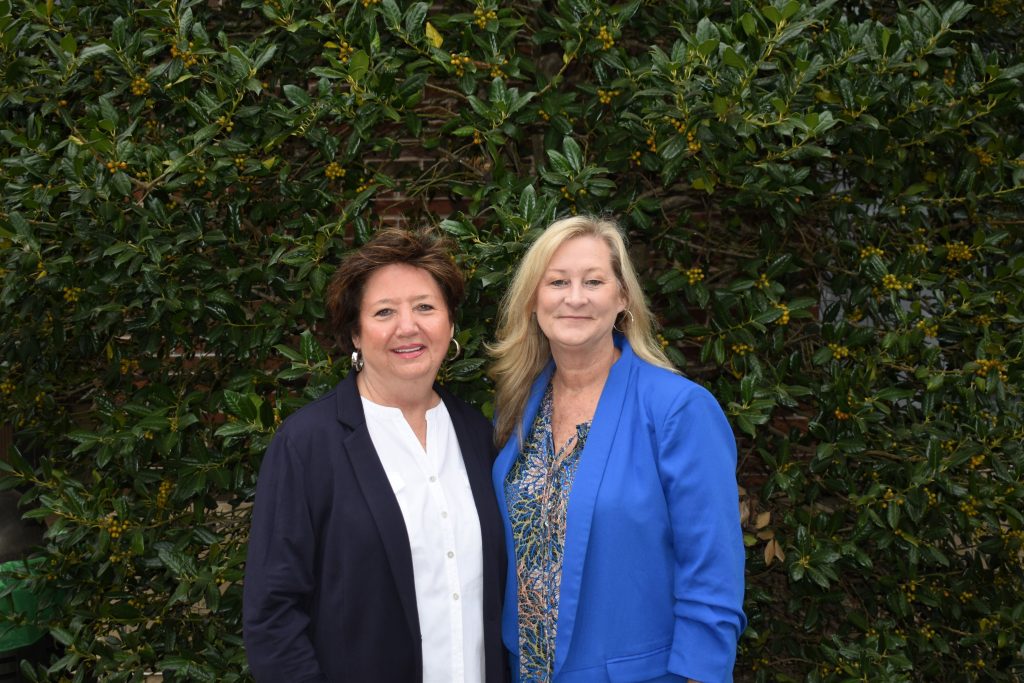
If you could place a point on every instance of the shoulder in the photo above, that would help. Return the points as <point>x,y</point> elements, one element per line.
<point>318,411</point>
<point>312,426</point>
<point>685,419</point>
<point>664,392</point>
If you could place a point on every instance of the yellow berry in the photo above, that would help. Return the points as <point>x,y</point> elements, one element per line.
<point>334,170</point>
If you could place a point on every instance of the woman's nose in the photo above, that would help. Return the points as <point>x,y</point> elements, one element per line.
<point>575,295</point>
<point>406,321</point>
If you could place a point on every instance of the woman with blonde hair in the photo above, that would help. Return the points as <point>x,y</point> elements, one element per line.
<point>616,479</point>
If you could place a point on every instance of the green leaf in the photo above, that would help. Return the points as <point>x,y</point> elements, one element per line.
<point>573,154</point>
<point>117,32</point>
<point>559,162</point>
<point>749,24</point>
<point>779,266</point>
<point>311,349</point>
<point>265,56</point>
<point>708,47</point>
<point>185,21</point>
<point>392,15</point>
<point>107,110</point>
<point>121,184</point>
<point>733,58</point>
<point>180,564</point>
<point>232,429</point>
<point>296,95</point>
<point>240,405</point>
<point>771,14</point>
<point>893,394</point>
<point>790,8</point>
<point>528,203</point>
<point>955,12</point>
<point>481,109</point>
<point>719,350</point>
<point>62,635</point>
<point>91,51</point>
<point>745,425</point>
<point>1010,72</point>
<point>457,228</point>
<point>892,515</point>
<point>415,17</point>
<point>358,65</point>
<point>137,541</point>
<point>465,367</point>
<point>706,31</point>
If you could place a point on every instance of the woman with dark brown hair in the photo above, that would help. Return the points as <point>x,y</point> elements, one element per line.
<point>375,552</point>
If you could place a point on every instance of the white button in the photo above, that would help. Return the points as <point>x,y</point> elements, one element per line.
<point>433,478</point>
<point>444,514</point>
<point>451,554</point>
<point>455,596</point>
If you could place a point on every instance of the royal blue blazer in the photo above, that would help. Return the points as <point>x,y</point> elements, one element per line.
<point>652,575</point>
<point>329,594</point>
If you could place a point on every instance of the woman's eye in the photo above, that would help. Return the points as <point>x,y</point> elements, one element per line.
<point>594,283</point>
<point>425,307</point>
<point>382,313</point>
<point>558,283</point>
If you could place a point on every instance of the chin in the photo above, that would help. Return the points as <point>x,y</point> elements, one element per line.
<point>574,342</point>
<point>418,372</point>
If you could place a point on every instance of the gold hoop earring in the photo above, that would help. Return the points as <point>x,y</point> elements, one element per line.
<point>458,349</point>
<point>357,360</point>
<point>625,312</point>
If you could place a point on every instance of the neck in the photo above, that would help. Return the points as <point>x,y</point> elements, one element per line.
<point>579,370</point>
<point>411,397</point>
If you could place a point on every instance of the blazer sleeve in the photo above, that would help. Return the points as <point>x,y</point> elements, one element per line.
<point>697,466</point>
<point>279,576</point>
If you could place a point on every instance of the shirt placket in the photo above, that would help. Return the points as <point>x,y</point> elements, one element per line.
<point>440,500</point>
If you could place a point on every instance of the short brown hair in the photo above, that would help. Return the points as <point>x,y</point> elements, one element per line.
<point>422,248</point>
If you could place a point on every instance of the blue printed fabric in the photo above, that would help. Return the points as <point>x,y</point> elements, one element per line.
<point>537,493</point>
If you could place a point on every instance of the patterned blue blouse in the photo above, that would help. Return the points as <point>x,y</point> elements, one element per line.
<point>537,493</point>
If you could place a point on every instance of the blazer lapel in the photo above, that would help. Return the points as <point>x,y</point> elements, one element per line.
<point>582,498</point>
<point>376,490</point>
<point>502,465</point>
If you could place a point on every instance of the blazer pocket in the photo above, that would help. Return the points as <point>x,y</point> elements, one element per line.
<point>639,667</point>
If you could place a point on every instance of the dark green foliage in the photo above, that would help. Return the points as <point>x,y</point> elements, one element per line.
<point>825,202</point>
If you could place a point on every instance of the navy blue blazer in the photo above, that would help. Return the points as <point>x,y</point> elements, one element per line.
<point>329,594</point>
<point>652,575</point>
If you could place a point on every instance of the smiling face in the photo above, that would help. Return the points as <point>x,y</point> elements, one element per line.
<point>404,329</point>
<point>579,297</point>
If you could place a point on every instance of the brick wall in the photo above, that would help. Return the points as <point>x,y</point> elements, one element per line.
<point>459,161</point>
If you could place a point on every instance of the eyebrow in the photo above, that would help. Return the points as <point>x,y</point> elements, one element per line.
<point>588,270</point>
<point>389,300</point>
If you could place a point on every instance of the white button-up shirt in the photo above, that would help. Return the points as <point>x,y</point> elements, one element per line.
<point>444,535</point>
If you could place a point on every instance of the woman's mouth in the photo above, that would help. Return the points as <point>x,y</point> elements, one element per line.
<point>409,350</point>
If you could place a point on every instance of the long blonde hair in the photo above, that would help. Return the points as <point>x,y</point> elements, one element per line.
<point>521,350</point>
